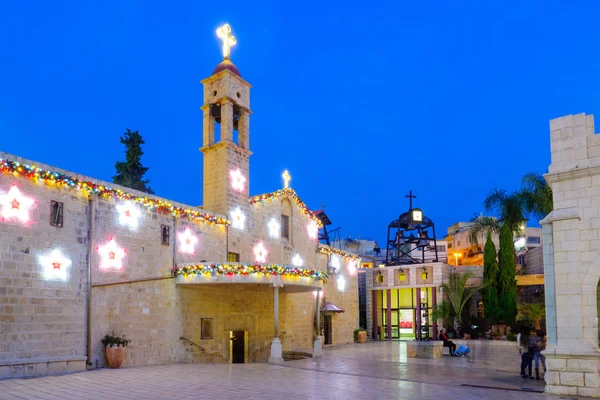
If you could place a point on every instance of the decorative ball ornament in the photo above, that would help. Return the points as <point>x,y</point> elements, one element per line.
<point>260,253</point>
<point>402,276</point>
<point>15,205</point>
<point>238,181</point>
<point>274,228</point>
<point>187,242</point>
<point>313,230</point>
<point>424,274</point>
<point>55,266</point>
<point>112,255</point>
<point>238,219</point>
<point>297,260</point>
<point>129,214</point>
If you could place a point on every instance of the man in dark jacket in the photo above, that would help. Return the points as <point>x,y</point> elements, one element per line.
<point>447,342</point>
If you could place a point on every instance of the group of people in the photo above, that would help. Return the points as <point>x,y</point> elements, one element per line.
<point>530,349</point>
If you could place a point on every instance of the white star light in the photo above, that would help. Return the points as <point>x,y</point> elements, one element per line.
<point>335,262</point>
<point>129,214</point>
<point>297,261</point>
<point>238,181</point>
<point>341,283</point>
<point>260,253</point>
<point>313,230</point>
<point>352,267</point>
<point>187,242</point>
<point>238,219</point>
<point>55,266</point>
<point>112,255</point>
<point>15,205</point>
<point>274,228</point>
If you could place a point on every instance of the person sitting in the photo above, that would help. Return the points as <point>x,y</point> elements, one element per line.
<point>447,342</point>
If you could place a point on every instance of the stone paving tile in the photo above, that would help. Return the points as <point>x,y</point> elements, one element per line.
<point>374,371</point>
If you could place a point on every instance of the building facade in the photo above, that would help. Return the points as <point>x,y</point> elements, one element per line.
<point>240,279</point>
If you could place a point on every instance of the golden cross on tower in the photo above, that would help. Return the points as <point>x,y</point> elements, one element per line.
<point>224,33</point>
<point>286,179</point>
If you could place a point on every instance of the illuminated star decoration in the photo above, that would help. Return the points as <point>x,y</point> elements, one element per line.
<point>335,262</point>
<point>238,181</point>
<point>352,267</point>
<point>187,242</point>
<point>129,214</point>
<point>313,230</point>
<point>112,255</point>
<point>15,205</point>
<point>274,228</point>
<point>55,266</point>
<point>297,260</point>
<point>260,253</point>
<point>238,219</point>
<point>341,283</point>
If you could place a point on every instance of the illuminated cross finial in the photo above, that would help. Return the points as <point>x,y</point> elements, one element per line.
<point>286,179</point>
<point>224,33</point>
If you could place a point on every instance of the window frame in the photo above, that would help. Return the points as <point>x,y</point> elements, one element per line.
<point>229,256</point>
<point>162,235</point>
<point>211,335</point>
<point>285,227</point>
<point>59,213</point>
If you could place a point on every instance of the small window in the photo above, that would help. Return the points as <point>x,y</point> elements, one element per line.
<point>206,328</point>
<point>285,226</point>
<point>233,257</point>
<point>165,235</point>
<point>458,243</point>
<point>56,213</point>
<point>534,240</point>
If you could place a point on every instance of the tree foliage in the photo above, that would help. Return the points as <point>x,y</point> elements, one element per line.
<point>508,207</point>
<point>130,173</point>
<point>507,285</point>
<point>458,294</point>
<point>532,312</point>
<point>482,226</point>
<point>536,195</point>
<point>490,278</point>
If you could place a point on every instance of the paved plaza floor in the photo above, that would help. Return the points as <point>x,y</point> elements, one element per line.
<point>375,370</point>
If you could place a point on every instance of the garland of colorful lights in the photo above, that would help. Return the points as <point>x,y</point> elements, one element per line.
<point>227,269</point>
<point>287,192</point>
<point>341,253</point>
<point>34,173</point>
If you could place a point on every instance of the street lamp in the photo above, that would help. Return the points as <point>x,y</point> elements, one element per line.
<point>456,256</point>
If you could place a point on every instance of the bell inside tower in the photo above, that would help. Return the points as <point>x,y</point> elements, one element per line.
<point>216,113</point>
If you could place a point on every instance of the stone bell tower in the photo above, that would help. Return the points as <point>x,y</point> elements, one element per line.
<point>226,135</point>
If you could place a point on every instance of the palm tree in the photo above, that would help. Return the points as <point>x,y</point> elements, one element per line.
<point>534,312</point>
<point>508,207</point>
<point>458,295</point>
<point>536,195</point>
<point>481,227</point>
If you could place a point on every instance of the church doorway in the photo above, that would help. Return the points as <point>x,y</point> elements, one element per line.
<point>327,329</point>
<point>238,347</point>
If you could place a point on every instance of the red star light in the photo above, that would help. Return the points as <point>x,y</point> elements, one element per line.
<point>15,205</point>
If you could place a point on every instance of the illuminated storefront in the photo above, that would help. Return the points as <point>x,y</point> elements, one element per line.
<point>403,313</point>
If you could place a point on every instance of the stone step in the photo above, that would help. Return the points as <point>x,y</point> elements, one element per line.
<point>295,355</point>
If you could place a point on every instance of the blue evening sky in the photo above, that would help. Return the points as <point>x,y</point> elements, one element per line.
<point>361,101</point>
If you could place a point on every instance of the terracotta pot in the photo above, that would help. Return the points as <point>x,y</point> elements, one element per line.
<point>115,356</point>
<point>362,337</point>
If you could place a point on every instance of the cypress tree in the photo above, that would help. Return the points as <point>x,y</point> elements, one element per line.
<point>130,173</point>
<point>507,284</point>
<point>490,279</point>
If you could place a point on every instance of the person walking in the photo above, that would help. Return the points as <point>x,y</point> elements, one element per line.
<point>539,344</point>
<point>524,343</point>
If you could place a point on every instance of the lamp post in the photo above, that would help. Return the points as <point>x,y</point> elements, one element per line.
<point>456,257</point>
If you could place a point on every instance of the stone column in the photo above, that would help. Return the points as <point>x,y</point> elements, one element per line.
<point>419,314</point>
<point>318,344</point>
<point>276,349</point>
<point>433,306</point>
<point>389,313</point>
<point>375,334</point>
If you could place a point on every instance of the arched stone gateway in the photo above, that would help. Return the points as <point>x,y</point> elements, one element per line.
<point>572,258</point>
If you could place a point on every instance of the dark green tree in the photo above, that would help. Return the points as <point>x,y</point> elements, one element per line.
<point>490,278</point>
<point>506,282</point>
<point>130,173</point>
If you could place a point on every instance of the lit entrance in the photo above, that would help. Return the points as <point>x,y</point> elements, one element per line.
<point>403,307</point>
<point>238,347</point>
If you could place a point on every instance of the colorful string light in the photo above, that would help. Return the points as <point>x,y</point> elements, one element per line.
<point>36,174</point>
<point>289,193</point>
<point>229,269</point>
<point>344,254</point>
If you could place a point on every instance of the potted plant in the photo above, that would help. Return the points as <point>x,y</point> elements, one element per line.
<point>115,350</point>
<point>360,335</point>
<point>496,335</point>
